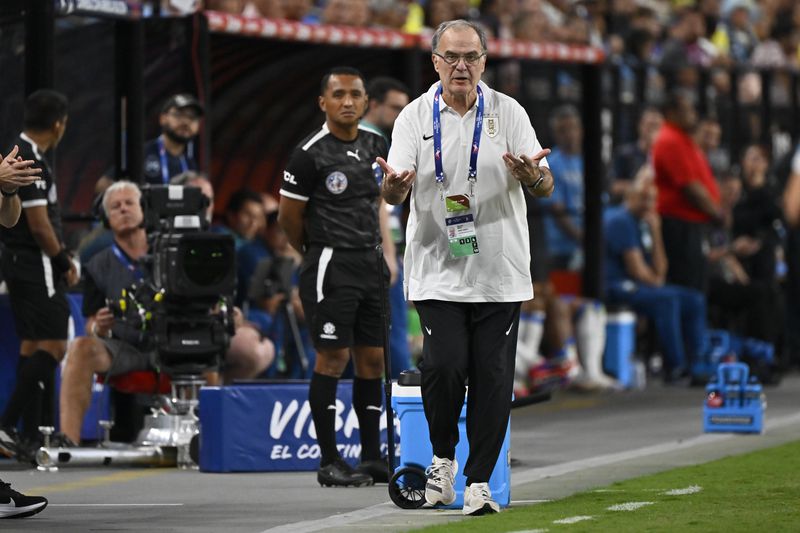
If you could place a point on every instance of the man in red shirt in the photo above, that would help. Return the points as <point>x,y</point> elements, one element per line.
<point>688,196</point>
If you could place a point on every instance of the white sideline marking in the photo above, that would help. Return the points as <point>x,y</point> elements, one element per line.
<point>115,504</point>
<point>693,489</point>
<point>536,474</point>
<point>629,506</point>
<point>528,476</point>
<point>573,519</point>
<point>529,501</point>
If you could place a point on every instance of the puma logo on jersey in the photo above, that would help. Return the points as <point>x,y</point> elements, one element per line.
<point>289,178</point>
<point>354,154</point>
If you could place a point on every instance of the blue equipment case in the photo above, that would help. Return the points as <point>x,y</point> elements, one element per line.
<point>415,445</point>
<point>734,401</point>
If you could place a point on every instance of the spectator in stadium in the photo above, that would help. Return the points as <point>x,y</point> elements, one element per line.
<point>467,289</point>
<point>737,300</point>
<point>563,221</point>
<point>297,10</point>
<point>37,269</point>
<point>708,136</point>
<point>332,213</point>
<point>244,216</point>
<point>387,97</point>
<point>734,35</point>
<point>688,196</point>
<point>15,173</point>
<point>629,158</point>
<point>636,275</point>
<point>389,14</point>
<point>174,150</point>
<point>757,217</point>
<point>438,11</point>
<point>354,13</point>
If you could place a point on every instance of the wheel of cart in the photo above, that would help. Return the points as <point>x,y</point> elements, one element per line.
<point>407,487</point>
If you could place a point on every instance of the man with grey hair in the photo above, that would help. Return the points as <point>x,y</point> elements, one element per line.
<point>467,254</point>
<point>110,347</point>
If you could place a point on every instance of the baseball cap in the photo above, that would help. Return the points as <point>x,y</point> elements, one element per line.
<point>181,101</point>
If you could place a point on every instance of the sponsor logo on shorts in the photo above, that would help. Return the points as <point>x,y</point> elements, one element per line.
<point>328,331</point>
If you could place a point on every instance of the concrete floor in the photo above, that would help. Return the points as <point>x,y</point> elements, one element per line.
<point>572,443</point>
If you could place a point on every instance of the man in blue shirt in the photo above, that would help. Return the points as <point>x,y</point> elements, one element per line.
<point>635,273</point>
<point>563,220</point>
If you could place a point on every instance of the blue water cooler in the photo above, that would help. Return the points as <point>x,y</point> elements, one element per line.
<point>415,445</point>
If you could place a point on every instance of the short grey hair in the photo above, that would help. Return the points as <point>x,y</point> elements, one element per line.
<point>121,185</point>
<point>458,23</point>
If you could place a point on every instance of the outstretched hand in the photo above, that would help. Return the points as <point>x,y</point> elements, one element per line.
<point>525,169</point>
<point>395,184</point>
<point>16,172</point>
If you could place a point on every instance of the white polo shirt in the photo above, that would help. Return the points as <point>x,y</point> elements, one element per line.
<point>501,271</point>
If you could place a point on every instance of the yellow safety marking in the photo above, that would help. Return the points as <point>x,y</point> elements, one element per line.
<point>95,481</point>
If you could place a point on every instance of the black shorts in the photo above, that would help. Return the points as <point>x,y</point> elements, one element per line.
<point>37,295</point>
<point>340,290</point>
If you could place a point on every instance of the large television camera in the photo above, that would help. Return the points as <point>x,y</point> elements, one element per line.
<point>189,308</point>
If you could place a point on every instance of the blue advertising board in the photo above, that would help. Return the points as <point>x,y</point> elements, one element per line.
<point>268,427</point>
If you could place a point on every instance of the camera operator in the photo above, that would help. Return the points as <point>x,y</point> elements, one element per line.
<point>111,347</point>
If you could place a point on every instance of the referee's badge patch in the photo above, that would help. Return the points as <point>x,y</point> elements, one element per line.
<point>490,125</point>
<point>336,182</point>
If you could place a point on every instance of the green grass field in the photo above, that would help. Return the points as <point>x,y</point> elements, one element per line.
<point>757,492</point>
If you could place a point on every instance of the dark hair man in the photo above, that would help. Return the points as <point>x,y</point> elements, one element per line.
<point>467,255</point>
<point>173,152</point>
<point>16,172</point>
<point>37,269</point>
<point>332,213</point>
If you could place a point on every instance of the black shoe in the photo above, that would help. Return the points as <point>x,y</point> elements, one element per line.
<point>340,474</point>
<point>377,469</point>
<point>10,443</point>
<point>16,505</point>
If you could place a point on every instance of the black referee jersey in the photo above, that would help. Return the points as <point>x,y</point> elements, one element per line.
<point>340,181</point>
<point>41,193</point>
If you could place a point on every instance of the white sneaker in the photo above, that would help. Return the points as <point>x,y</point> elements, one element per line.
<point>441,478</point>
<point>478,500</point>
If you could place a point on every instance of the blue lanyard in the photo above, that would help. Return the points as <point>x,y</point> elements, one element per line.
<point>162,153</point>
<point>134,269</point>
<point>437,140</point>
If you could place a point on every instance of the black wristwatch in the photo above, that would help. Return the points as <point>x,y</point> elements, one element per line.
<point>7,194</point>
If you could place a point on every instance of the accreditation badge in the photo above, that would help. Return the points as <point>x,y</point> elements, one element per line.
<point>460,225</point>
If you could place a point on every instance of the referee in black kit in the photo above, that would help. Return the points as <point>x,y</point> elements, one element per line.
<point>37,270</point>
<point>330,210</point>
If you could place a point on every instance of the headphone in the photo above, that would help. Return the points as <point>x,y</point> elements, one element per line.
<point>100,210</point>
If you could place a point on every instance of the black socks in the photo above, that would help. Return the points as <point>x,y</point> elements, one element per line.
<point>322,400</point>
<point>367,402</point>
<point>33,393</point>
